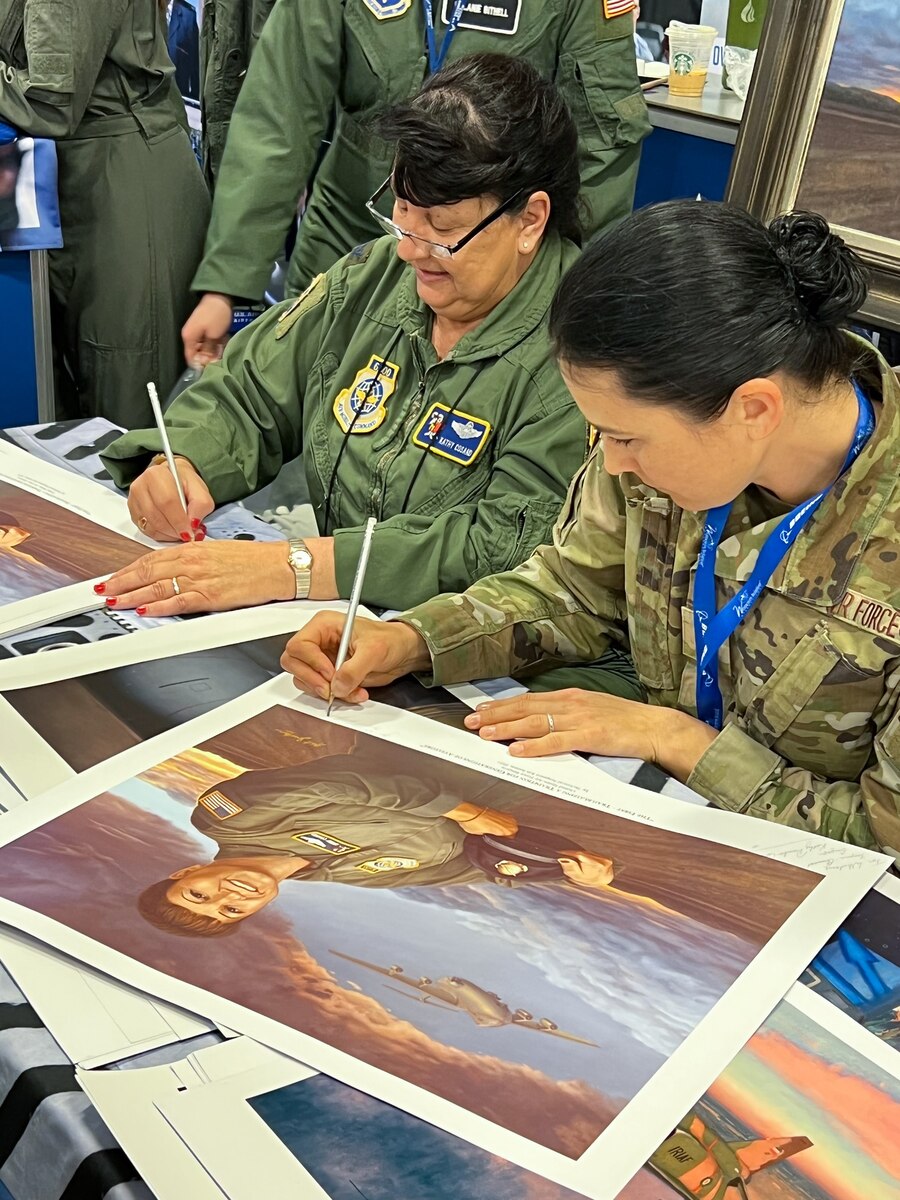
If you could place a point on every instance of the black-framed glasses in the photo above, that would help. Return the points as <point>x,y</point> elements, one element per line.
<point>438,249</point>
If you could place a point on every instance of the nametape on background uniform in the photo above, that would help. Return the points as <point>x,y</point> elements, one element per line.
<point>307,299</point>
<point>490,16</point>
<point>361,407</point>
<point>375,866</point>
<point>618,8</point>
<point>385,9</point>
<point>452,434</point>
<point>869,614</point>
<point>324,841</point>
<point>219,805</point>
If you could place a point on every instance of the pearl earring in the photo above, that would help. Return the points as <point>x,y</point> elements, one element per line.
<point>524,245</point>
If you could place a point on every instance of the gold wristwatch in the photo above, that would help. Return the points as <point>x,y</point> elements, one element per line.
<point>300,559</point>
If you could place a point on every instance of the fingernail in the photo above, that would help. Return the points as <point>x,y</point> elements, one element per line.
<point>110,601</point>
<point>99,588</point>
<point>489,731</point>
<point>141,610</point>
<point>199,537</point>
<point>322,693</point>
<point>195,522</point>
<point>185,537</point>
<point>472,721</point>
<point>517,748</point>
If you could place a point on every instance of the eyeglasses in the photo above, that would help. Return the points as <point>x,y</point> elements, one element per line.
<point>438,249</point>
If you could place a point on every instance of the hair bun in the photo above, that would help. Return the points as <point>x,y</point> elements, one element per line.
<point>829,278</point>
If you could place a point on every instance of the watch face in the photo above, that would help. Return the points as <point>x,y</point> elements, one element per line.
<point>300,558</point>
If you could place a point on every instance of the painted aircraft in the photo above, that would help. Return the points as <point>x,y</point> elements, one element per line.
<point>454,994</point>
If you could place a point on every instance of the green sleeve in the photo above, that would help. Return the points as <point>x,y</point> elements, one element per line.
<point>416,557</point>
<point>564,604</point>
<point>243,419</point>
<point>278,124</point>
<point>65,45</point>
<point>597,74</point>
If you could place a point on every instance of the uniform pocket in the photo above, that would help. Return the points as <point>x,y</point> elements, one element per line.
<point>48,44</point>
<point>601,89</point>
<point>791,686</point>
<point>648,573</point>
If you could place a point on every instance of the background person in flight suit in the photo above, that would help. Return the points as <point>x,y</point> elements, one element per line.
<point>742,509</point>
<point>361,56</point>
<point>95,76</point>
<point>333,820</point>
<point>353,375</point>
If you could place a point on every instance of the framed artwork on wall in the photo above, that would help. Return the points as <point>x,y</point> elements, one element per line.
<point>821,131</point>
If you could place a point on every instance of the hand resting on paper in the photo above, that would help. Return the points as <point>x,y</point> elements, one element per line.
<point>379,653</point>
<point>156,508</point>
<point>595,723</point>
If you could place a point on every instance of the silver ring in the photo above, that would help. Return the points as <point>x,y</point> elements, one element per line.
<point>175,585</point>
<point>551,722</point>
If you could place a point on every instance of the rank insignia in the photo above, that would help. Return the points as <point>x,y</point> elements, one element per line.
<point>326,842</point>
<point>375,866</point>
<point>452,434</point>
<point>385,9</point>
<point>219,805</point>
<point>362,406</point>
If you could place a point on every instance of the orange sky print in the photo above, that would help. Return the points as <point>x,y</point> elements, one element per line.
<point>795,1078</point>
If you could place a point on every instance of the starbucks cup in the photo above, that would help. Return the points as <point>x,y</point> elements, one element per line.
<point>690,47</point>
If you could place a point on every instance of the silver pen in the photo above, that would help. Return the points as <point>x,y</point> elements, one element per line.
<point>354,602</point>
<point>167,449</point>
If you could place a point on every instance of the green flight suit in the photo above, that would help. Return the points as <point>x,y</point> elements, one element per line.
<point>354,828</point>
<point>452,506</point>
<point>686,1150</point>
<point>229,32</point>
<point>810,678</point>
<point>95,76</point>
<point>314,55</point>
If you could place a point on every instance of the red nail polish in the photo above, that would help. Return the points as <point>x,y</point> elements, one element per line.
<point>185,537</point>
<point>110,601</point>
<point>141,610</point>
<point>195,522</point>
<point>99,588</point>
<point>198,537</point>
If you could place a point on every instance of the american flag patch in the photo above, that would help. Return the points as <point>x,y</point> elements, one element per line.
<point>220,806</point>
<point>618,8</point>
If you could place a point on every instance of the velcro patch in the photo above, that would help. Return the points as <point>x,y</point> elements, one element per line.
<point>219,805</point>
<point>313,295</point>
<point>452,434</point>
<point>490,16</point>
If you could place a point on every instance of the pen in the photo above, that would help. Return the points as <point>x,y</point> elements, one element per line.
<point>354,602</point>
<point>164,437</point>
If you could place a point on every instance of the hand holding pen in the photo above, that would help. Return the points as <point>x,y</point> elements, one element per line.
<point>355,592</point>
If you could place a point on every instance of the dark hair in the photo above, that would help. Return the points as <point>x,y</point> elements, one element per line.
<point>687,300</point>
<point>487,125</point>
<point>172,918</point>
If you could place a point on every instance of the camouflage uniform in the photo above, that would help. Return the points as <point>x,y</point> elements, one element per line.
<point>810,679</point>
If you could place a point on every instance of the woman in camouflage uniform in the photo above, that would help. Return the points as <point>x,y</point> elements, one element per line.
<point>742,498</point>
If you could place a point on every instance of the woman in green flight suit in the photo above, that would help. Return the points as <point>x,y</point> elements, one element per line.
<point>95,76</point>
<point>357,57</point>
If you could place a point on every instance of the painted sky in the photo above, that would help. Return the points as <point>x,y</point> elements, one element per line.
<point>867,51</point>
<point>355,1146</point>
<point>796,1078</point>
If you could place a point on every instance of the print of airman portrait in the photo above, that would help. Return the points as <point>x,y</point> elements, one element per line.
<point>334,820</point>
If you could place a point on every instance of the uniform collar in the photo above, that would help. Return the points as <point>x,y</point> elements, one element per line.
<point>514,318</point>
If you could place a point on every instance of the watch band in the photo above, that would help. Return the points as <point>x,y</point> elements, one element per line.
<point>300,560</point>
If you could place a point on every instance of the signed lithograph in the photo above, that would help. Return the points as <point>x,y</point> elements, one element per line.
<point>542,978</point>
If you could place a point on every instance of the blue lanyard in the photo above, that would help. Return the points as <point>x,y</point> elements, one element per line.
<point>712,629</point>
<point>436,58</point>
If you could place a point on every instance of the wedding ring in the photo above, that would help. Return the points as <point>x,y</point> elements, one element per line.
<point>175,585</point>
<point>551,723</point>
<point>142,524</point>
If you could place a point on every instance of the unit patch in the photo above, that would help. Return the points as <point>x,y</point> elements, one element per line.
<point>452,434</point>
<point>326,842</point>
<point>490,16</point>
<point>385,9</point>
<point>376,865</point>
<point>362,406</point>
<point>219,805</point>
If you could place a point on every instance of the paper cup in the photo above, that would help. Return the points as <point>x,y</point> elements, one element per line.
<point>690,48</point>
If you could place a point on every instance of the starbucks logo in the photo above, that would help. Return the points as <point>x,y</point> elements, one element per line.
<point>683,64</point>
